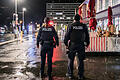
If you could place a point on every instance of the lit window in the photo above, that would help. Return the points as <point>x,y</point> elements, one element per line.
<point>100,4</point>
<point>68,17</point>
<point>61,18</point>
<point>106,3</point>
<point>50,13</point>
<point>63,15</point>
<point>114,2</point>
<point>51,6</point>
<point>59,13</point>
<point>54,17</point>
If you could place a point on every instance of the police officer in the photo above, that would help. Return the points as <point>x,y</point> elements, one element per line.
<point>76,38</point>
<point>47,37</point>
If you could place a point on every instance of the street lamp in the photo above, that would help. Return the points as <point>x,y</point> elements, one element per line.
<point>16,14</point>
<point>23,26</point>
<point>16,3</point>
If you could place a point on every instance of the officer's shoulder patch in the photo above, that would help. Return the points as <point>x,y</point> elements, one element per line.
<point>78,27</point>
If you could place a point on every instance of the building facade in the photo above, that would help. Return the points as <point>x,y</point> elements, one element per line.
<point>102,12</point>
<point>101,7</point>
<point>61,13</point>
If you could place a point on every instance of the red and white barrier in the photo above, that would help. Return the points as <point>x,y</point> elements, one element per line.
<point>97,44</point>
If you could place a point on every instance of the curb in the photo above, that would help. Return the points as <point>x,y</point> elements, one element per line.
<point>10,41</point>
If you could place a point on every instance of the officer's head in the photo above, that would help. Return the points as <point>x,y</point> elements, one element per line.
<point>77,17</point>
<point>46,20</point>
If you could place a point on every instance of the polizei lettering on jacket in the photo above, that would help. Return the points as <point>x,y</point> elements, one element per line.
<point>47,29</point>
<point>78,27</point>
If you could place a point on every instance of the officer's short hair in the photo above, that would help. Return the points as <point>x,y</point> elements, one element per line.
<point>77,17</point>
<point>47,19</point>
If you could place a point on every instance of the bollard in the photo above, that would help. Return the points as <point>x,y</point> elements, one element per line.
<point>36,34</point>
<point>21,40</point>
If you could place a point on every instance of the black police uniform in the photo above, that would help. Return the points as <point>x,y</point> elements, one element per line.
<point>77,33</point>
<point>46,38</point>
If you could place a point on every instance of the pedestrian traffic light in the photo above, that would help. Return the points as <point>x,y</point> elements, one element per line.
<point>51,23</point>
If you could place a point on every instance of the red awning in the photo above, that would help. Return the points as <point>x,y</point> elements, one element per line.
<point>80,13</point>
<point>91,14</point>
<point>91,6</point>
<point>93,23</point>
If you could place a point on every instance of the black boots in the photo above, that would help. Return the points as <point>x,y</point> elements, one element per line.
<point>69,76</point>
<point>42,75</point>
<point>80,78</point>
<point>49,77</point>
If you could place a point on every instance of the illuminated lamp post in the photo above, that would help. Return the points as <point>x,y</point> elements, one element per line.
<point>23,25</point>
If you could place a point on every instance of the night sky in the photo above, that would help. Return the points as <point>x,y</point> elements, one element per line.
<point>36,9</point>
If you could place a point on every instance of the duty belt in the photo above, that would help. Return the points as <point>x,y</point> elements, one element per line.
<point>48,41</point>
<point>75,43</point>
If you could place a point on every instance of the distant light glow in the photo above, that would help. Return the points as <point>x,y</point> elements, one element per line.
<point>86,1</point>
<point>61,17</point>
<point>24,9</point>
<point>55,18</point>
<point>51,22</point>
<point>59,13</point>
<point>18,1</point>
<point>30,28</point>
<point>68,17</point>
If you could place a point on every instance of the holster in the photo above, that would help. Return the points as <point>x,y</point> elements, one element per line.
<point>74,47</point>
<point>54,44</point>
<point>67,52</point>
<point>41,42</point>
<point>51,43</point>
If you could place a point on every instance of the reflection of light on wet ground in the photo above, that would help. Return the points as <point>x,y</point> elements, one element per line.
<point>31,38</point>
<point>32,57</point>
<point>2,40</point>
<point>59,53</point>
<point>32,64</point>
<point>107,67</point>
<point>4,67</point>
<point>18,73</point>
<point>32,54</point>
<point>20,67</point>
<point>115,67</point>
<point>25,62</point>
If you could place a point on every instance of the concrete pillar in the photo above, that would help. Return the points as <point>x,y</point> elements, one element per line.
<point>97,6</point>
<point>110,3</point>
<point>103,4</point>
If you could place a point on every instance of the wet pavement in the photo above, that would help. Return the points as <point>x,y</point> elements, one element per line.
<point>6,37</point>
<point>20,60</point>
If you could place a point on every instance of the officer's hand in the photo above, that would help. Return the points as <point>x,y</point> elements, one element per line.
<point>86,46</point>
<point>66,47</point>
<point>57,45</point>
<point>37,46</point>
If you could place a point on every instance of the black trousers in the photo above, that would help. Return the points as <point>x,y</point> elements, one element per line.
<point>81,57</point>
<point>46,49</point>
